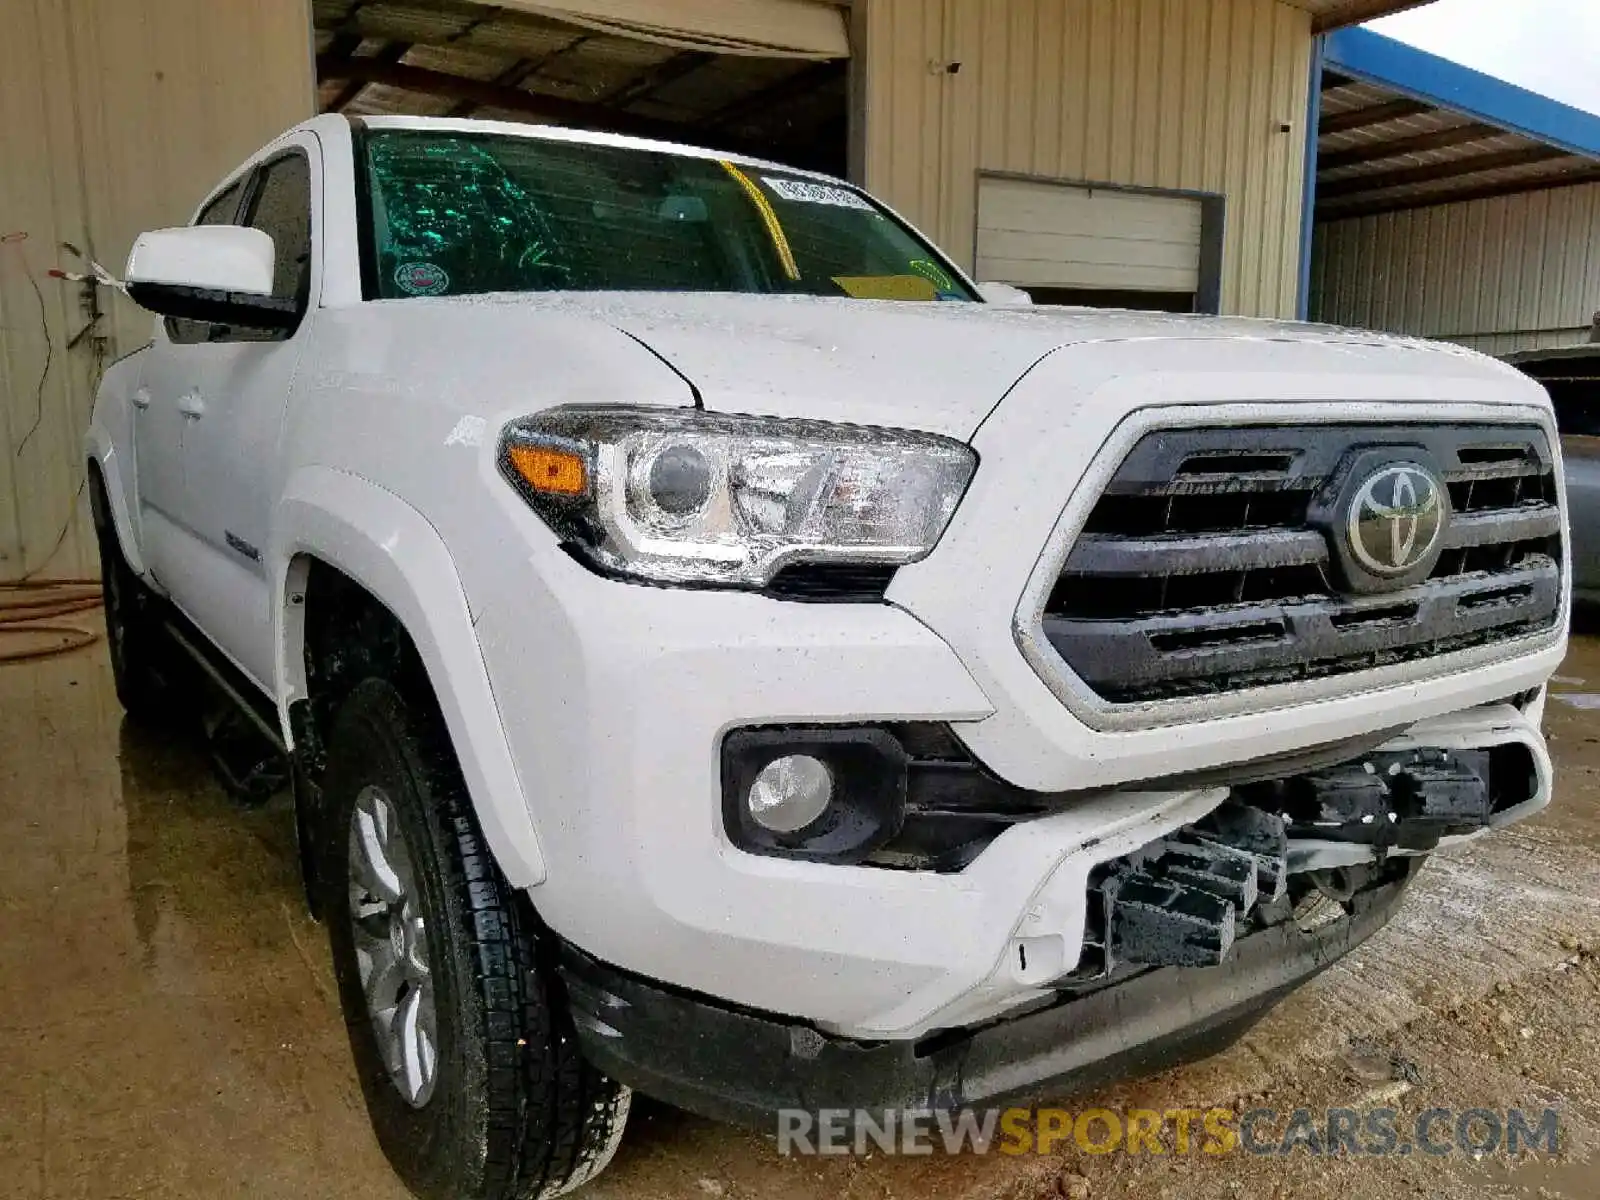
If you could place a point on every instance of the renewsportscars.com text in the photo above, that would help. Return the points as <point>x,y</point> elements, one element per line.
<point>1372,1132</point>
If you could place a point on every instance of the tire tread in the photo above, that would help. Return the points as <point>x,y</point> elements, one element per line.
<point>551,1120</point>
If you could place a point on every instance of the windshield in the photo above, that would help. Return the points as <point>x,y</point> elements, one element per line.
<point>461,213</point>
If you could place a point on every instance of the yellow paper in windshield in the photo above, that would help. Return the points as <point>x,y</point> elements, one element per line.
<point>887,287</point>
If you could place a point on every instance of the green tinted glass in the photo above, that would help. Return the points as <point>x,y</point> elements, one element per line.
<point>456,214</point>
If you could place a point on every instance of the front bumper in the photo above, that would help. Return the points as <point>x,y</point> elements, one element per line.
<point>616,700</point>
<point>740,1066</point>
<point>616,703</point>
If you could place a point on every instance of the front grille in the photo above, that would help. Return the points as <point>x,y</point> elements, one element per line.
<point>1210,563</point>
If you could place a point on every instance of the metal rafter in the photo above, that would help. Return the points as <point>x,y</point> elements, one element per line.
<point>805,80</point>
<point>393,52</point>
<point>1439,139</point>
<point>1372,114</point>
<point>669,70</point>
<point>1361,185</point>
<point>518,72</point>
<point>1488,191</point>
<point>489,94</point>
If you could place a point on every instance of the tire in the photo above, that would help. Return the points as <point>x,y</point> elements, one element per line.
<point>507,1108</point>
<point>138,648</point>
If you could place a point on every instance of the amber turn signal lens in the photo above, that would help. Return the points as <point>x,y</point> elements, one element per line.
<point>553,472</point>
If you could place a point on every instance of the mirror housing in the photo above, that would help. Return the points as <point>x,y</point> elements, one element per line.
<point>1005,294</point>
<point>217,273</point>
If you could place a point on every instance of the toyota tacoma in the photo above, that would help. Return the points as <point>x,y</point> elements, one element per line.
<point>724,651</point>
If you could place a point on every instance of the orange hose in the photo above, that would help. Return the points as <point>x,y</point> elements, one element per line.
<point>39,602</point>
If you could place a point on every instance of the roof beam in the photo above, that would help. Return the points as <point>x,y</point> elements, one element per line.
<point>668,70</point>
<point>392,52</point>
<point>343,45</point>
<point>489,94</point>
<point>512,77</point>
<point>1489,191</point>
<point>1372,114</point>
<point>1440,139</point>
<point>792,87</point>
<point>1361,185</point>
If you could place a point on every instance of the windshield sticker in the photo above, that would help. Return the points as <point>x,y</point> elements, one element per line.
<point>801,192</point>
<point>934,273</point>
<point>421,279</point>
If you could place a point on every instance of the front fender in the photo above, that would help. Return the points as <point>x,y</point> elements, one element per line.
<point>102,450</point>
<point>110,427</point>
<point>393,551</point>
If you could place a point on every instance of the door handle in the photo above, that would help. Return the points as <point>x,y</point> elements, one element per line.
<point>191,405</point>
<point>140,399</point>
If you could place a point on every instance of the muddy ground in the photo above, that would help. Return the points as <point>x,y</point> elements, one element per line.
<point>168,1025</point>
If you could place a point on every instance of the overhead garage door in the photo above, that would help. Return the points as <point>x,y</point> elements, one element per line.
<point>777,28</point>
<point>1070,243</point>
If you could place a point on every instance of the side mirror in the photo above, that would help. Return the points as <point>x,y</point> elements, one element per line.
<point>1006,294</point>
<point>218,273</point>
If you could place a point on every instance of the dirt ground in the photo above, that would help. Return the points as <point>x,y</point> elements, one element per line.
<point>168,1024</point>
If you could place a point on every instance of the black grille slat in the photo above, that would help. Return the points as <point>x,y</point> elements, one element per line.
<point>1520,524</point>
<point>1099,554</point>
<point>1189,581</point>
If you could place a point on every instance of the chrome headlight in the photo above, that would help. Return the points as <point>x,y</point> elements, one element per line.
<point>683,496</point>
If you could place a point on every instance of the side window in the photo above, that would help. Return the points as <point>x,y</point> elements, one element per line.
<point>220,211</point>
<point>279,205</point>
<point>223,209</point>
<point>282,207</point>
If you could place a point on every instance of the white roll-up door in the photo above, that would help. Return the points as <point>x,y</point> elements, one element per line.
<point>1035,233</point>
<point>769,28</point>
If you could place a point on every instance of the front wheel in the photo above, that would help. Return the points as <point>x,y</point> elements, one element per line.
<point>462,1039</point>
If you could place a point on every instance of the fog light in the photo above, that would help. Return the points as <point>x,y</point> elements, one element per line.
<point>790,793</point>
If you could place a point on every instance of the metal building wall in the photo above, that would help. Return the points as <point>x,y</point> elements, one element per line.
<point>1504,274</point>
<point>1179,94</point>
<point>115,116</point>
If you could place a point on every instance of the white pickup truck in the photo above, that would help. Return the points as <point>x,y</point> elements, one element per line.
<point>708,670</point>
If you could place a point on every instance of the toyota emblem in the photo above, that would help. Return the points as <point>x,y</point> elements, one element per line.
<point>1397,519</point>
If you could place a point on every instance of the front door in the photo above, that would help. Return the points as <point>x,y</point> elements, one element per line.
<point>178,351</point>
<point>234,410</point>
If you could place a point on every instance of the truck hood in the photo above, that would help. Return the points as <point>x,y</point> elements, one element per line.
<point>936,367</point>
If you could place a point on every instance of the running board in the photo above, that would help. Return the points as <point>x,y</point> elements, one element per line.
<point>235,690</point>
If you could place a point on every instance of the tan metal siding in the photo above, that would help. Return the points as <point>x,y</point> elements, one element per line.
<point>1510,273</point>
<point>43,388</point>
<point>114,117</point>
<point>1177,94</point>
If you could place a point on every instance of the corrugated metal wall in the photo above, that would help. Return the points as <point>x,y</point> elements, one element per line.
<point>1180,94</point>
<point>1511,273</point>
<point>115,116</point>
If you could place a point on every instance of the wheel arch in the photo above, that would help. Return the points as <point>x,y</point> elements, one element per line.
<point>374,539</point>
<point>104,468</point>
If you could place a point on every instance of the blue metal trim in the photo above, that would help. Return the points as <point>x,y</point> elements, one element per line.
<point>1308,201</point>
<point>1374,58</point>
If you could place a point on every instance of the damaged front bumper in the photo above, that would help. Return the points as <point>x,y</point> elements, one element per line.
<point>1144,923</point>
<point>740,1066</point>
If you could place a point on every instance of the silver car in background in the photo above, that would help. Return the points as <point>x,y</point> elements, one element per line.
<point>1571,374</point>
